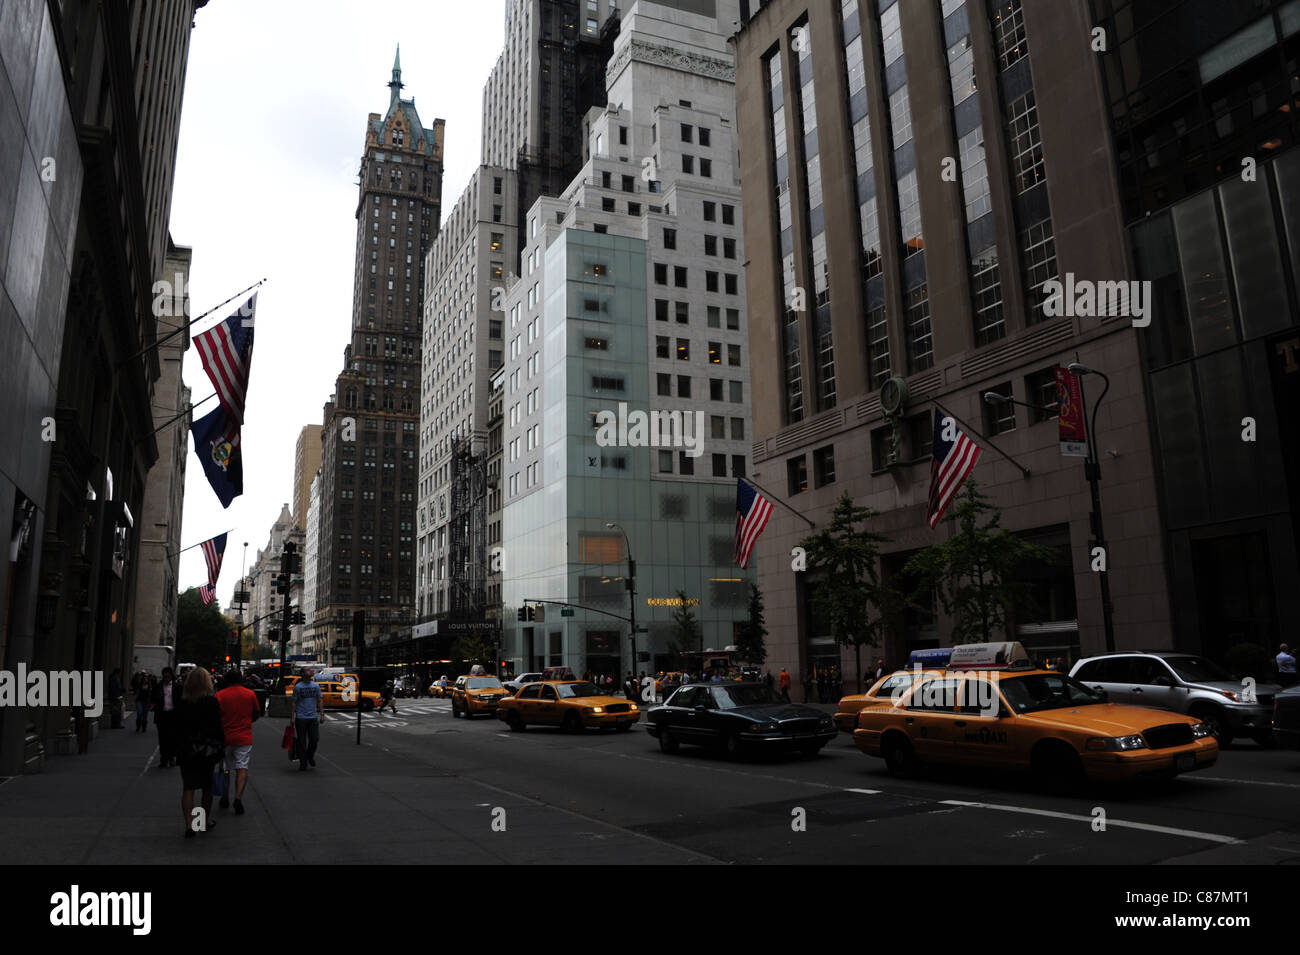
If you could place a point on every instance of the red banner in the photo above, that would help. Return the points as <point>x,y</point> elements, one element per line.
<point>1069,414</point>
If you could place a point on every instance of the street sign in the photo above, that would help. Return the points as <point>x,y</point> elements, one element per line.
<point>566,612</point>
<point>642,629</point>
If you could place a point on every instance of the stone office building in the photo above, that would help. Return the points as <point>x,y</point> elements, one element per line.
<point>366,551</point>
<point>90,102</point>
<point>919,169</point>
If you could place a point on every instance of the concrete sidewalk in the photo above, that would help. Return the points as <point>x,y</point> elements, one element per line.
<point>361,804</point>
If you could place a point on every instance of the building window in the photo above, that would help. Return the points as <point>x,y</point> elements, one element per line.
<point>1008,22</point>
<point>1038,255</point>
<point>999,416</point>
<point>877,346</point>
<point>710,245</point>
<point>1024,143</point>
<point>679,276</point>
<point>738,465</point>
<point>796,471</point>
<point>704,136</point>
<point>719,465</point>
<point>715,353</point>
<point>683,386</point>
<point>986,292</point>
<point>688,164</point>
<point>1040,392</point>
<point>824,466</point>
<point>661,309</point>
<point>662,346</point>
<point>737,429</point>
<point>670,238</point>
<point>685,463</point>
<point>686,133</point>
<point>665,462</point>
<point>665,385</point>
<point>710,212</point>
<point>733,355</point>
<point>728,214</point>
<point>706,168</point>
<point>683,312</point>
<point>736,392</point>
<point>920,346</point>
<point>661,273</point>
<point>683,349</point>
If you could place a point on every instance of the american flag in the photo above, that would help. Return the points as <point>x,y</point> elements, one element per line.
<point>207,592</point>
<point>752,513</point>
<point>952,459</point>
<point>227,352</point>
<point>213,551</point>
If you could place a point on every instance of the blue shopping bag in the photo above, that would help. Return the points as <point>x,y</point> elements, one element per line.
<point>220,781</point>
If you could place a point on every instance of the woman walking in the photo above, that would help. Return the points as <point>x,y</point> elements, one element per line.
<point>201,743</point>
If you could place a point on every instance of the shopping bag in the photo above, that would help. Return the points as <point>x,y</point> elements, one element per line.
<point>220,781</point>
<point>286,741</point>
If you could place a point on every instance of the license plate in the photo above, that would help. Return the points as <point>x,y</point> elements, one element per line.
<point>620,719</point>
<point>1185,762</point>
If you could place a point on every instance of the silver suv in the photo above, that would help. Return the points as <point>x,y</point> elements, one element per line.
<point>1184,683</point>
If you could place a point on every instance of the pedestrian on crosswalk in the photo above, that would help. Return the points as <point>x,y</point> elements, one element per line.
<point>306,718</point>
<point>386,698</point>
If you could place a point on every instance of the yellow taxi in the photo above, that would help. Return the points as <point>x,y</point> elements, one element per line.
<point>673,678</point>
<point>572,705</point>
<point>336,694</point>
<point>882,693</point>
<point>995,714</point>
<point>440,691</point>
<point>476,694</point>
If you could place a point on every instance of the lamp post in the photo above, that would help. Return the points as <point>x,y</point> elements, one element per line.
<point>631,590</point>
<point>1092,468</point>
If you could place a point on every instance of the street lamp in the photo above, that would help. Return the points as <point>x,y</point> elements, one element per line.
<point>1092,468</point>
<point>993,398</point>
<point>631,590</point>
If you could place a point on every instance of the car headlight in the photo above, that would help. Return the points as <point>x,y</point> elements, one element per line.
<point>1200,730</point>
<point>598,709</point>
<point>764,728</point>
<point>1230,695</point>
<point>1117,743</point>
<point>632,706</point>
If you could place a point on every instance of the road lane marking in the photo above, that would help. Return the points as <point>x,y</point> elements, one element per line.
<point>1075,817</point>
<point>865,792</point>
<point>1249,782</point>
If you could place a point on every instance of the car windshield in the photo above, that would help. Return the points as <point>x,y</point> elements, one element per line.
<point>1198,670</point>
<point>729,697</point>
<point>484,683</point>
<point>569,690</point>
<point>1041,691</point>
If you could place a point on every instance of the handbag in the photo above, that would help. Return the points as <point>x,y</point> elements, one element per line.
<point>220,781</point>
<point>286,741</point>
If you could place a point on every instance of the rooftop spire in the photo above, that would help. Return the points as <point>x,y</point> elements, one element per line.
<point>395,84</point>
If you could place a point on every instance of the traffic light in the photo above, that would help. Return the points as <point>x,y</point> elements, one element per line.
<point>290,559</point>
<point>527,612</point>
<point>298,618</point>
<point>282,583</point>
<point>523,613</point>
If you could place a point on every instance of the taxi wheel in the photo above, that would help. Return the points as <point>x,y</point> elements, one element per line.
<point>667,741</point>
<point>1057,768</point>
<point>455,710</point>
<point>900,758</point>
<point>572,723</point>
<point>367,706</point>
<point>515,722</point>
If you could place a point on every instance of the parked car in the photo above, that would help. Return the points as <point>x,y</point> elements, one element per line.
<point>737,717</point>
<point>1286,718</point>
<point>522,680</point>
<point>1187,684</point>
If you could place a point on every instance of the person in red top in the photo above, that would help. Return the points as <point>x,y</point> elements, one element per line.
<point>783,681</point>
<point>239,708</point>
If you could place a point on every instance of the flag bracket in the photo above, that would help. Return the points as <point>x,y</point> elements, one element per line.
<point>776,500</point>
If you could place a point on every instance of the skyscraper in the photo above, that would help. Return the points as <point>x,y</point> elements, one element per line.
<point>913,178</point>
<point>368,459</point>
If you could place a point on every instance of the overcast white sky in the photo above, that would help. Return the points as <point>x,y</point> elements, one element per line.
<point>272,130</point>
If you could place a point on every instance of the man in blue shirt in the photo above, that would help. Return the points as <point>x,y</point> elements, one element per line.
<point>308,711</point>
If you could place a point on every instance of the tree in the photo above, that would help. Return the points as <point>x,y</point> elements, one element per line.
<point>974,571</point>
<point>749,638</point>
<point>849,594</point>
<point>474,647</point>
<point>687,632</point>
<point>201,630</point>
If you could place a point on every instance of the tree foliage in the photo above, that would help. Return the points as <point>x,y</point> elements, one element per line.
<point>201,631</point>
<point>687,636</point>
<point>751,634</point>
<point>974,572</point>
<point>474,647</point>
<point>849,593</point>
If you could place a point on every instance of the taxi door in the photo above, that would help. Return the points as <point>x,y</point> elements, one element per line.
<point>547,707</point>
<point>984,732</point>
<point>930,717</point>
<point>330,695</point>
<point>526,702</point>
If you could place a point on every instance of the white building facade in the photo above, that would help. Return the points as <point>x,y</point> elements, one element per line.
<point>631,302</point>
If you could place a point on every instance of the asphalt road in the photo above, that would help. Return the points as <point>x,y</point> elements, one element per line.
<point>844,806</point>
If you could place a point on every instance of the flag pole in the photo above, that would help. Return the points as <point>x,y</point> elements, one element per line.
<point>775,500</point>
<point>987,440</point>
<point>199,544</point>
<point>184,325</point>
<point>174,418</point>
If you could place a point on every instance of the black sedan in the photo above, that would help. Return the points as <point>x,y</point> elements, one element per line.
<point>736,716</point>
<point>1286,718</point>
